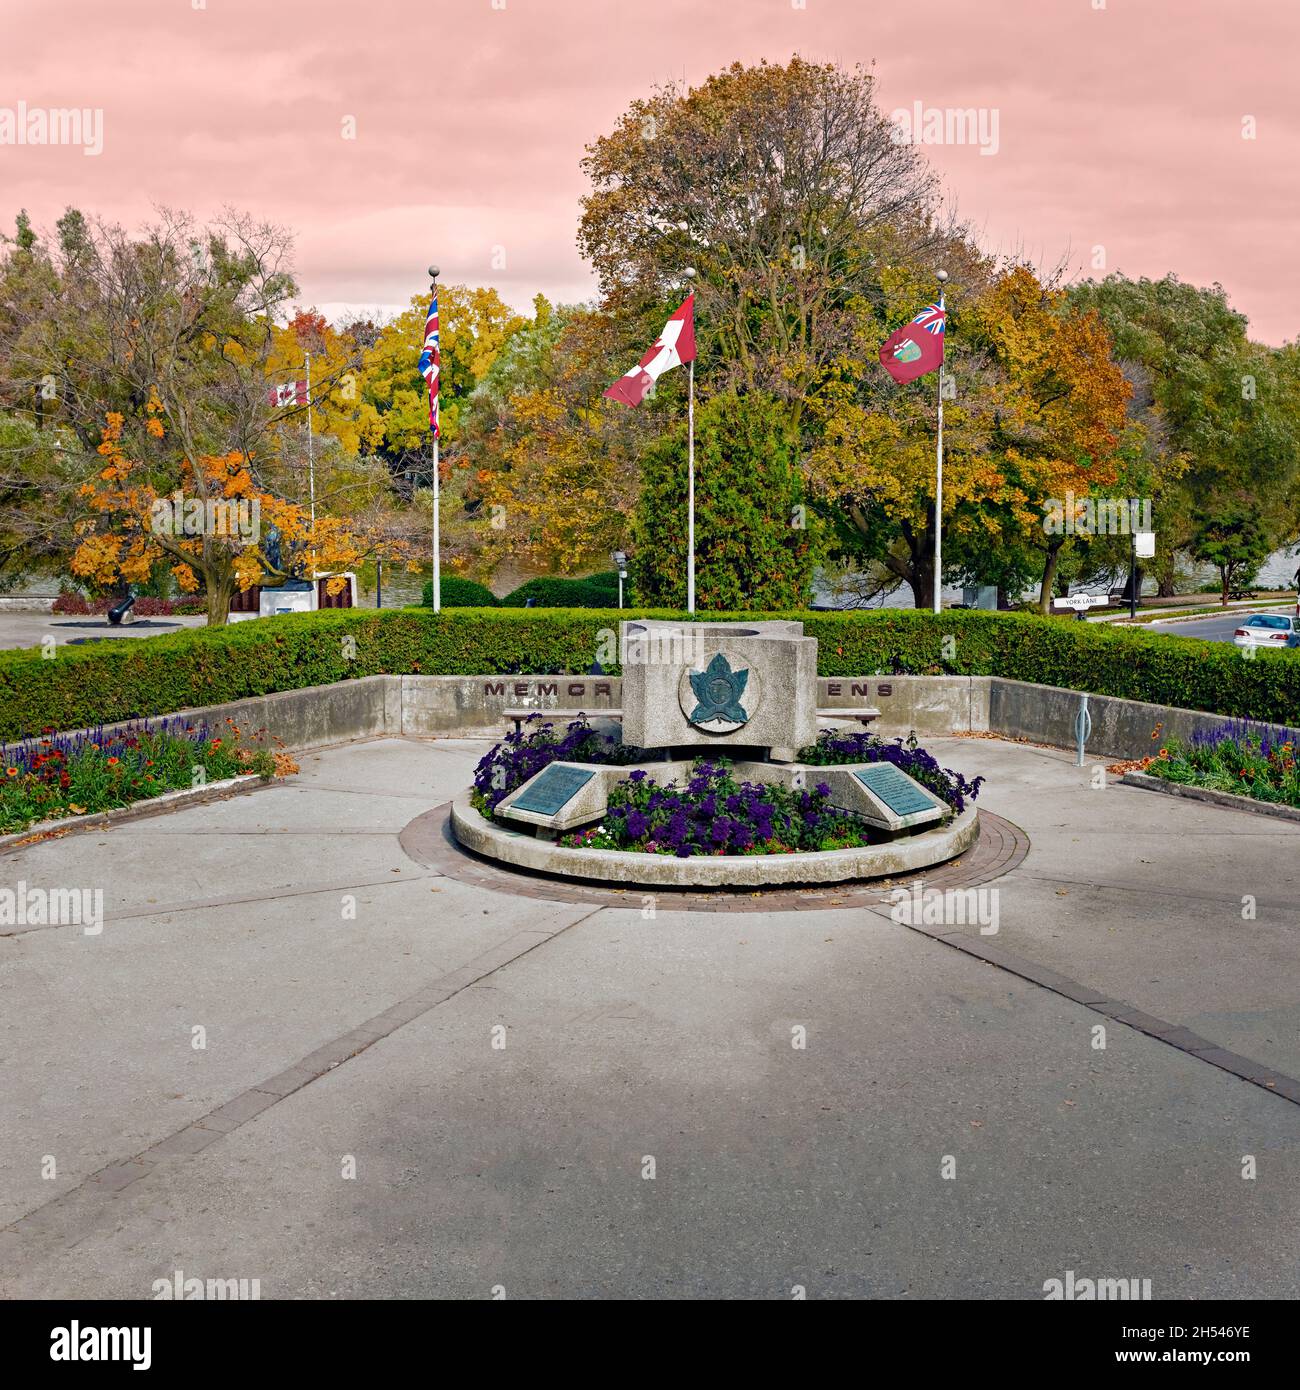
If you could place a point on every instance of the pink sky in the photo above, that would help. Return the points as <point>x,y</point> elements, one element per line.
<point>1118,126</point>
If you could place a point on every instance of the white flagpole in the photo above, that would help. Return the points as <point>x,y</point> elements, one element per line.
<point>437,557</point>
<point>311,450</point>
<point>311,458</point>
<point>690,494</point>
<point>938,506</point>
<point>938,476</point>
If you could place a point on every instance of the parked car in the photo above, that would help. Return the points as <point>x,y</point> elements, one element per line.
<point>1267,630</point>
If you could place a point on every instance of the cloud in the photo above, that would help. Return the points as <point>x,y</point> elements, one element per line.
<point>1118,126</point>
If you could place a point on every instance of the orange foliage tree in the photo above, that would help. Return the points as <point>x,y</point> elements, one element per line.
<point>213,526</point>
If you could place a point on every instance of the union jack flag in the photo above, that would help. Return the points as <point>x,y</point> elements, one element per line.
<point>932,317</point>
<point>908,354</point>
<point>431,361</point>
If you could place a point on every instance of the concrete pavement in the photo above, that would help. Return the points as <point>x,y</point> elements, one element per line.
<point>19,629</point>
<point>564,1099</point>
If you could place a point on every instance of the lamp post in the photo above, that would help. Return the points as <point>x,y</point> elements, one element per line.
<point>619,558</point>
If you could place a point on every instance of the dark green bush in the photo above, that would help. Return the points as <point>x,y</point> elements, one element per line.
<point>459,593</point>
<point>108,681</point>
<point>757,543</point>
<point>564,593</point>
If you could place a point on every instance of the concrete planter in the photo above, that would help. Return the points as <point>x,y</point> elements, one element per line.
<point>150,805</point>
<point>1212,797</point>
<point>903,856</point>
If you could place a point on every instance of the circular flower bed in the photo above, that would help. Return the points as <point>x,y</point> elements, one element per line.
<point>712,813</point>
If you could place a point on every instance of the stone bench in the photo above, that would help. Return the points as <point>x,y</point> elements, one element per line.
<point>863,714</point>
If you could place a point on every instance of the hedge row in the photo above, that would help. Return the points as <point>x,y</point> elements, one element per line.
<point>107,681</point>
<point>596,591</point>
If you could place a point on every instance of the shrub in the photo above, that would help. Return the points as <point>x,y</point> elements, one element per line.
<point>563,593</point>
<point>69,601</point>
<point>104,682</point>
<point>459,593</point>
<point>757,543</point>
<point>145,606</point>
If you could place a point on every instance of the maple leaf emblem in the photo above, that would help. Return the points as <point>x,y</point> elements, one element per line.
<point>718,689</point>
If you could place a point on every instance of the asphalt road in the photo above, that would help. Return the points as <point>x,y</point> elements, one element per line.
<point>1214,629</point>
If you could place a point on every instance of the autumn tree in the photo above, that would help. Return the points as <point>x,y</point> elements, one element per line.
<point>217,529</point>
<point>549,469</point>
<point>475,324</point>
<point>1221,413</point>
<point>1058,416</point>
<point>790,183</point>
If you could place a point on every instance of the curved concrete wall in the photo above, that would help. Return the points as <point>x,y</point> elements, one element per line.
<point>472,706</point>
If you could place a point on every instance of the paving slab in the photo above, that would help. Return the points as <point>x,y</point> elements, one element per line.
<point>630,1043</point>
<point>569,1099</point>
<point>1148,897</point>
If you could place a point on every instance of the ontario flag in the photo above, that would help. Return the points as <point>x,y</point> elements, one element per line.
<point>431,361</point>
<point>291,393</point>
<point>917,347</point>
<point>675,345</point>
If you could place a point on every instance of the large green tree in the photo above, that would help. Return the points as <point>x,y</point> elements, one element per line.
<point>757,543</point>
<point>1221,414</point>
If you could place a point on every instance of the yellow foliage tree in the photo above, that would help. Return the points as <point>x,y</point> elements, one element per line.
<point>212,527</point>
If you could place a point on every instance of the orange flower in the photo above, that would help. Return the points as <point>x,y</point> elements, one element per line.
<point>216,743</point>
<point>11,772</point>
<point>112,762</point>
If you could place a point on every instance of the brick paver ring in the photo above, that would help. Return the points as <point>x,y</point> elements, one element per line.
<point>429,842</point>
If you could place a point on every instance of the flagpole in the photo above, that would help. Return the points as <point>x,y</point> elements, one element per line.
<point>942,276</point>
<point>311,459</point>
<point>437,556</point>
<point>690,492</point>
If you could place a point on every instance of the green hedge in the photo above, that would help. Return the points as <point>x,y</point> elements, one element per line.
<point>108,681</point>
<point>597,591</point>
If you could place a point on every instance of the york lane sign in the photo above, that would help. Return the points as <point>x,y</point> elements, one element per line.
<point>1082,602</point>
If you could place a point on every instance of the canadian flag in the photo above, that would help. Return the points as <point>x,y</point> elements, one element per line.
<point>675,345</point>
<point>291,393</point>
